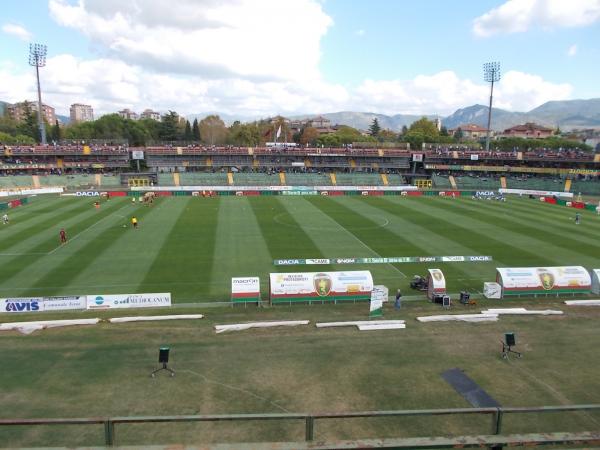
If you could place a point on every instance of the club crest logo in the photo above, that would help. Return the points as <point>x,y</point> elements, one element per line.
<point>322,283</point>
<point>547,279</point>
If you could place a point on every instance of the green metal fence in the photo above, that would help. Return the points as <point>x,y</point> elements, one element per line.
<point>497,415</point>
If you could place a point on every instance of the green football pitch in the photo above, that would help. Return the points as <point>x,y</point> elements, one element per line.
<point>192,246</point>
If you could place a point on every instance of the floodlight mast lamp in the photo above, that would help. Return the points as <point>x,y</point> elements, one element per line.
<point>491,74</point>
<point>37,58</point>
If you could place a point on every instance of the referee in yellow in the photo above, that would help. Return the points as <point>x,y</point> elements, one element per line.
<point>134,222</point>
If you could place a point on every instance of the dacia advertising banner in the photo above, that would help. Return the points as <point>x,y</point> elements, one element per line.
<point>320,286</point>
<point>543,280</point>
<point>245,289</point>
<point>99,301</point>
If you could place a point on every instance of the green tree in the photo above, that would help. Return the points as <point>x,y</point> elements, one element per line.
<point>458,134</point>
<point>169,127</point>
<point>404,130</point>
<point>424,126</point>
<point>308,135</point>
<point>55,132</point>
<point>244,134</point>
<point>196,130</point>
<point>374,129</point>
<point>188,135</point>
<point>387,136</point>
<point>213,130</point>
<point>444,131</point>
<point>29,125</point>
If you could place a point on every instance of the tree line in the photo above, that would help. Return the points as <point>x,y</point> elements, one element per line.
<point>211,130</point>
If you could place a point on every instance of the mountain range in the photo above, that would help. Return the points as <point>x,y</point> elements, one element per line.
<point>566,114</point>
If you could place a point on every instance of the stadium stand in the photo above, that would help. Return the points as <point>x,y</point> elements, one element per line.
<point>478,183</point>
<point>201,179</point>
<point>359,179</point>
<point>535,183</point>
<point>16,181</point>
<point>440,182</point>
<point>588,187</point>
<point>255,179</point>
<point>396,180</point>
<point>308,179</point>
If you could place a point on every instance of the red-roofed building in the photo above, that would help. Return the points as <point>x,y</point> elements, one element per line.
<point>529,130</point>
<point>472,132</point>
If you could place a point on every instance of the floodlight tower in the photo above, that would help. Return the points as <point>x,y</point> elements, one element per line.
<point>37,58</point>
<point>491,74</point>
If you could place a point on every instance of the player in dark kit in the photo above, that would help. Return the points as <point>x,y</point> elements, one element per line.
<point>63,236</point>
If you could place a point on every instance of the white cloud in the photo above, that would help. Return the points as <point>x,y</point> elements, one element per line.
<point>109,85</point>
<point>360,32</point>
<point>17,31</point>
<point>572,51</point>
<point>516,16</point>
<point>214,38</point>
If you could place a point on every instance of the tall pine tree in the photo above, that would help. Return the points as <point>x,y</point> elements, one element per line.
<point>188,135</point>
<point>374,129</point>
<point>196,130</point>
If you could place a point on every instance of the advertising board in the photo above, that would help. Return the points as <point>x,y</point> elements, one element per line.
<point>21,304</point>
<point>543,280</point>
<point>245,289</point>
<point>320,286</point>
<point>153,300</point>
<point>596,281</point>
<point>65,303</point>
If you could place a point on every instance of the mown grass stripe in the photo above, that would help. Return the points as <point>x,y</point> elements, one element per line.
<point>186,256</point>
<point>420,239</point>
<point>60,275</point>
<point>135,250</point>
<point>555,220</point>
<point>16,264</point>
<point>509,244</point>
<point>20,235</point>
<point>291,244</point>
<point>238,234</point>
<point>562,241</point>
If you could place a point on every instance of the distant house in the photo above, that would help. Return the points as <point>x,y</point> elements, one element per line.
<point>471,132</point>
<point>150,114</point>
<point>128,114</point>
<point>528,131</point>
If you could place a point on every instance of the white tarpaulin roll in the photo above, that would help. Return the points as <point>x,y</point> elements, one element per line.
<point>389,326</point>
<point>542,312</point>
<point>357,323</point>
<point>247,326</point>
<point>30,327</point>
<point>151,318</point>
<point>582,302</point>
<point>460,317</point>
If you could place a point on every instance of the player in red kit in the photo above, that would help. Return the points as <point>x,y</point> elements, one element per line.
<point>63,236</point>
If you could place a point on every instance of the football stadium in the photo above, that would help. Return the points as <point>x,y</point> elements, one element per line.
<point>224,251</point>
<point>299,224</point>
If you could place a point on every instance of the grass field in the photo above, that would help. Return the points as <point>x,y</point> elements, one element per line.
<point>192,246</point>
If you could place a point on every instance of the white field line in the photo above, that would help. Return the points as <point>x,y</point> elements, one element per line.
<point>23,254</point>
<point>87,229</point>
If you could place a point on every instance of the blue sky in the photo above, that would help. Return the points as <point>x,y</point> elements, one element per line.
<point>301,56</point>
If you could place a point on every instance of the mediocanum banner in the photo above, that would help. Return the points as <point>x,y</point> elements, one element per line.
<point>153,300</point>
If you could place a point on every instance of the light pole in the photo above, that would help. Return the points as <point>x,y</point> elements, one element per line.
<point>37,58</point>
<point>491,74</point>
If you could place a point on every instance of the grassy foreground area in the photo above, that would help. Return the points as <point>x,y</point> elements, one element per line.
<point>104,370</point>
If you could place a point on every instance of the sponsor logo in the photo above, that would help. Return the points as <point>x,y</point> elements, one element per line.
<point>243,281</point>
<point>452,258</point>
<point>288,262</point>
<point>317,261</point>
<point>546,278</point>
<point>427,259</point>
<point>485,193</point>
<point>322,283</point>
<point>480,258</point>
<point>14,306</point>
<point>345,260</point>
<point>87,194</point>
<point>99,300</point>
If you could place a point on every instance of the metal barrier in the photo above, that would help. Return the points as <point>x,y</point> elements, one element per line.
<point>310,420</point>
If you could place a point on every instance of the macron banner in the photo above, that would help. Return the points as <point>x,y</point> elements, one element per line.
<point>245,289</point>
<point>128,301</point>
